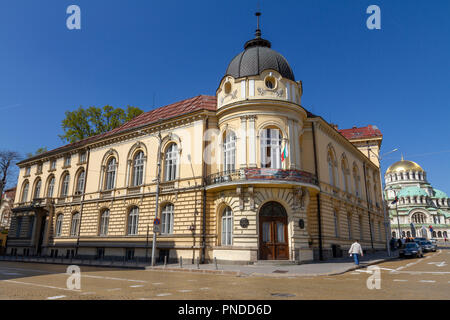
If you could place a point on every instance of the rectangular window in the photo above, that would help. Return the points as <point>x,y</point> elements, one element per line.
<point>67,161</point>
<point>53,164</point>
<point>243,93</point>
<point>251,88</point>
<point>83,157</point>
<point>280,232</point>
<point>27,171</point>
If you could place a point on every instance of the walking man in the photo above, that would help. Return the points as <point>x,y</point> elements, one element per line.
<point>356,250</point>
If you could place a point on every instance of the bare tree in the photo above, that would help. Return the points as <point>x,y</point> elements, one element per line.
<point>7,161</point>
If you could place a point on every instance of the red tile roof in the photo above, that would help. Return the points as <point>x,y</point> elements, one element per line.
<point>361,133</point>
<point>201,102</point>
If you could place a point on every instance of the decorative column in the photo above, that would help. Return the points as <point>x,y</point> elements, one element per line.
<point>251,142</point>
<point>243,141</point>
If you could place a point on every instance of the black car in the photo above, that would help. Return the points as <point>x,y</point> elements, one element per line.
<point>411,249</point>
<point>427,246</point>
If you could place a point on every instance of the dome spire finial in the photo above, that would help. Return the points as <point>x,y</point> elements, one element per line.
<point>258,30</point>
<point>402,157</point>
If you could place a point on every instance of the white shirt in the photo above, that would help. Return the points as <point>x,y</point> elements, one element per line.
<point>356,248</point>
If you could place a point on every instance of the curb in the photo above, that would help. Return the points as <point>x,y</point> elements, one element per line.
<point>188,270</point>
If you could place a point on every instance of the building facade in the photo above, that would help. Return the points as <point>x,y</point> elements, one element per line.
<point>419,206</point>
<point>246,175</point>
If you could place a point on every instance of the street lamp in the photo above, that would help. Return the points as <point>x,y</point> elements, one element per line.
<point>387,228</point>
<point>158,178</point>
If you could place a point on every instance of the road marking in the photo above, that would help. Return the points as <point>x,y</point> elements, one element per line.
<point>55,297</point>
<point>204,288</point>
<point>399,268</point>
<point>438,264</point>
<point>137,286</point>
<point>400,280</point>
<point>163,294</point>
<point>184,291</point>
<point>39,285</point>
<point>427,281</point>
<point>157,283</point>
<point>115,289</point>
<point>86,293</point>
<point>111,278</point>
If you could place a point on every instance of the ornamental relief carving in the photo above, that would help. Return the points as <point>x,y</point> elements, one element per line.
<point>278,93</point>
<point>232,95</point>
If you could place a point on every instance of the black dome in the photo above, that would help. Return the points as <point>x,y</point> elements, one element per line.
<point>256,58</point>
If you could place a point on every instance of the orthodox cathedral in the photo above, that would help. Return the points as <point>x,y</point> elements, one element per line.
<point>245,175</point>
<point>416,209</point>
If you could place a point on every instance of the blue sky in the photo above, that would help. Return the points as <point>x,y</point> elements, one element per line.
<point>152,53</point>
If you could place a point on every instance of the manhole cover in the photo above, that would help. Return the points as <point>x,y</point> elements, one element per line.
<point>282,294</point>
<point>280,271</point>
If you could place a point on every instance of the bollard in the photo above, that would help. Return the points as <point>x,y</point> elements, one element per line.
<point>198,263</point>
<point>165,262</point>
<point>215,263</point>
<point>181,262</point>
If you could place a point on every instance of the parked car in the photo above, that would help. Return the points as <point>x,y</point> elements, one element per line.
<point>411,249</point>
<point>427,246</point>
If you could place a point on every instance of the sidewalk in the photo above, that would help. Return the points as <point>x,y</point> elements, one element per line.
<point>323,268</point>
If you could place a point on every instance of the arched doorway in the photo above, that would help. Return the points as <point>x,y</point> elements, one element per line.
<point>273,244</point>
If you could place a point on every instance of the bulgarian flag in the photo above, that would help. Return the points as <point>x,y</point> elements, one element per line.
<point>284,154</point>
<point>395,200</point>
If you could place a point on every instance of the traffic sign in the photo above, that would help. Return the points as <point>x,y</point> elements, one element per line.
<point>156,221</point>
<point>156,228</point>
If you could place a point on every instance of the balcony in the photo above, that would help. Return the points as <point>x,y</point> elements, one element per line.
<point>261,176</point>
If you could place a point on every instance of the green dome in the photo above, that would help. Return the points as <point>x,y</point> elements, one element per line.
<point>412,192</point>
<point>439,194</point>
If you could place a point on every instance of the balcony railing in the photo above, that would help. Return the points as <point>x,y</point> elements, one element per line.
<point>261,174</point>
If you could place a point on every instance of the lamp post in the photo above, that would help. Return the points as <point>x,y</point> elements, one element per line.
<point>387,229</point>
<point>158,178</point>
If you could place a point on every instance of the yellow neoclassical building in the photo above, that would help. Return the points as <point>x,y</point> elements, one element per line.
<point>246,175</point>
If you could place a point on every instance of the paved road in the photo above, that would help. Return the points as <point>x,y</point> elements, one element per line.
<point>426,278</point>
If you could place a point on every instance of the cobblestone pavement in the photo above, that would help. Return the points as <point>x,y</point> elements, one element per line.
<point>425,278</point>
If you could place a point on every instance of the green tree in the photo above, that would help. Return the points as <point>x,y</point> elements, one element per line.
<point>38,152</point>
<point>83,123</point>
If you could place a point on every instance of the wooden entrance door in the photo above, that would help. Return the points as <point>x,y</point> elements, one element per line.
<point>273,244</point>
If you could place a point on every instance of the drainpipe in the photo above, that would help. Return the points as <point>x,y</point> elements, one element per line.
<point>368,208</point>
<point>319,218</point>
<point>204,193</point>
<point>82,199</point>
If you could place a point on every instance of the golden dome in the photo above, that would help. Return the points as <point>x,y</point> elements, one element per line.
<point>404,165</point>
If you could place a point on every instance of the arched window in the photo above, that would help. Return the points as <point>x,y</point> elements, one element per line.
<point>37,190</point>
<point>25,187</point>
<point>167,219</point>
<point>356,181</point>
<point>138,169</point>
<point>227,227</point>
<point>271,148</point>
<point>111,174</point>
<point>445,234</point>
<point>394,234</point>
<point>104,222</point>
<point>75,227</point>
<point>403,234</point>
<point>133,220</point>
<point>65,185</point>
<point>229,152</point>
<point>439,234</point>
<point>58,227</point>
<point>344,176</point>
<point>408,234</point>
<point>51,187</point>
<point>434,234</point>
<point>80,182</point>
<point>171,162</point>
<point>331,171</point>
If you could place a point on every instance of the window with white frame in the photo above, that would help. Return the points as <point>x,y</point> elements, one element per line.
<point>80,182</point>
<point>167,219</point>
<point>331,170</point>
<point>65,185</point>
<point>58,227</point>
<point>51,186</point>
<point>25,191</point>
<point>138,169</point>
<point>349,225</point>
<point>336,224</point>
<point>104,222</point>
<point>227,227</point>
<point>271,148</point>
<point>27,171</point>
<point>133,220</point>
<point>82,157</point>
<point>67,161</point>
<point>37,190</point>
<point>111,174</point>
<point>53,165</point>
<point>171,162</point>
<point>75,226</point>
<point>229,151</point>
